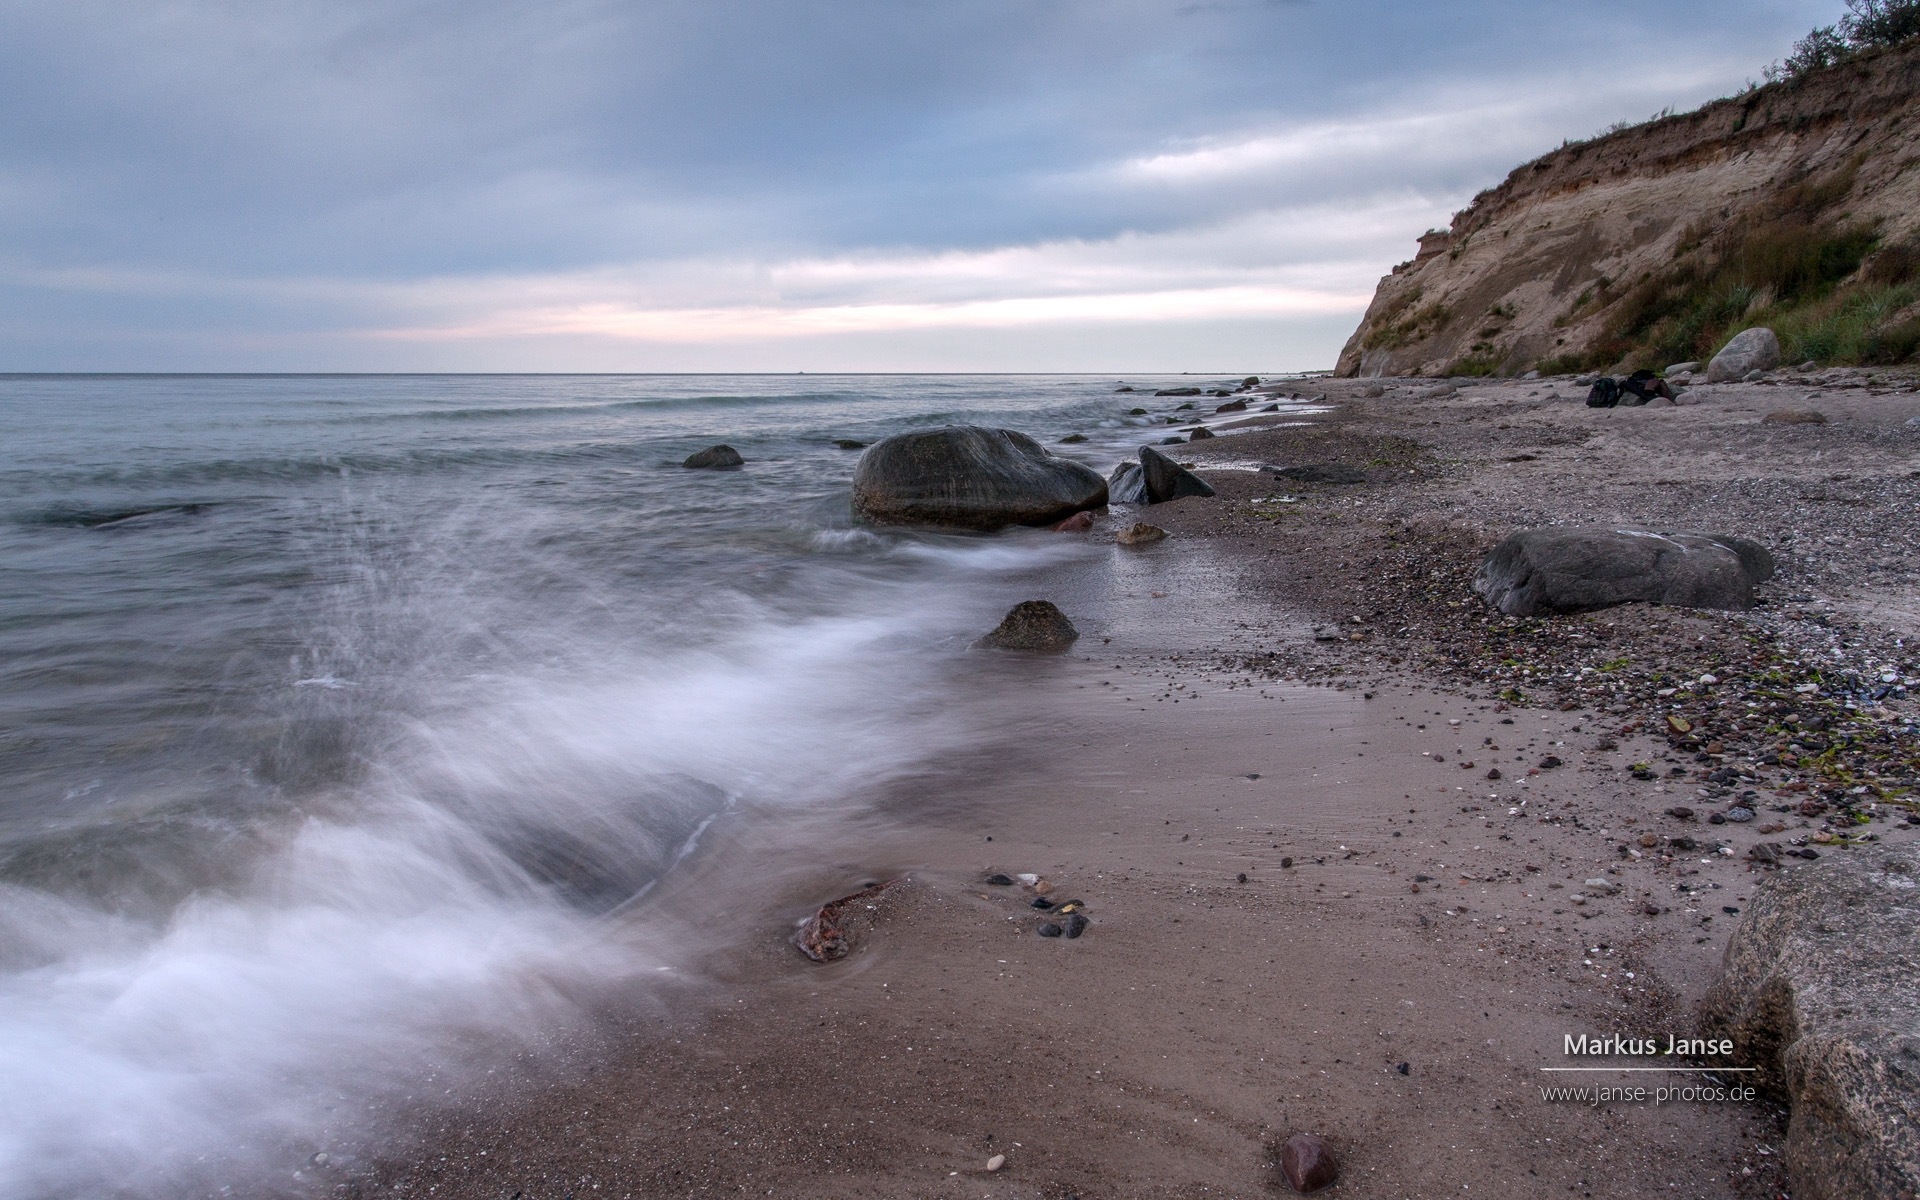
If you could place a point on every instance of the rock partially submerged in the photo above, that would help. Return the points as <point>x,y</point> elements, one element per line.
<point>828,934</point>
<point>1579,569</point>
<point>1033,626</point>
<point>1751,350</point>
<point>1820,991</point>
<point>715,458</point>
<point>970,477</point>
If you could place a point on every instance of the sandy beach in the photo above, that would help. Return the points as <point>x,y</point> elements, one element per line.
<point>1336,884</point>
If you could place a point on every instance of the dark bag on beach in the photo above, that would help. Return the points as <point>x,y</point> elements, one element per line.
<point>1643,386</point>
<point>1605,393</point>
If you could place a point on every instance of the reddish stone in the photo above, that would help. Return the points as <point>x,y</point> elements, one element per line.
<point>1308,1163</point>
<point>1079,522</point>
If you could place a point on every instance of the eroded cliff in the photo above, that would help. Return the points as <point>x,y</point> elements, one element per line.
<point>1796,204</point>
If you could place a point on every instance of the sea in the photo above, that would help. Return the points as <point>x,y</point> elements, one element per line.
<point>342,716</point>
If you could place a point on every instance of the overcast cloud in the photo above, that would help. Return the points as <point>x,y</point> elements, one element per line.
<point>1106,185</point>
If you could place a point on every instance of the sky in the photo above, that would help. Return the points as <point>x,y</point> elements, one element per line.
<point>780,185</point>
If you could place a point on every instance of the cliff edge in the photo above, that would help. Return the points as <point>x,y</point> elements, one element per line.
<point>1796,205</point>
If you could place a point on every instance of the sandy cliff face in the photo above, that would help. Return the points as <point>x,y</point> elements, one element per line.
<point>1657,238</point>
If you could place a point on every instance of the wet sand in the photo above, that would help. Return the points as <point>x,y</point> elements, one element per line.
<point>1396,987</point>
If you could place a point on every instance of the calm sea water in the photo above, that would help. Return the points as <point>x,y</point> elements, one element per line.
<point>335,712</point>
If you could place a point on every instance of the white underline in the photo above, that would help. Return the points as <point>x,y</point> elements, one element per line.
<point>1722,1069</point>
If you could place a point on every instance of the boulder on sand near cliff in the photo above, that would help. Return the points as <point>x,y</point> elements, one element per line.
<point>1168,480</point>
<point>970,477</point>
<point>1035,626</point>
<point>1820,991</point>
<point>715,458</point>
<point>1755,349</point>
<point>1579,569</point>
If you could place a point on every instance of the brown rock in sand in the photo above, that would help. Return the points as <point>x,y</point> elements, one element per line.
<point>1079,522</point>
<point>1035,626</point>
<point>824,937</point>
<point>1789,416</point>
<point>1308,1163</point>
<point>1140,534</point>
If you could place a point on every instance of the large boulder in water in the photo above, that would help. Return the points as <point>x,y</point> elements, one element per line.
<point>1578,569</point>
<point>1820,993</point>
<point>1168,480</point>
<point>1755,349</point>
<point>970,477</point>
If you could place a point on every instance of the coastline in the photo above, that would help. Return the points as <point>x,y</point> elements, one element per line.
<point>1201,1020</point>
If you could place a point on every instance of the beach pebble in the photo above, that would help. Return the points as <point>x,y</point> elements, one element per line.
<point>1042,903</point>
<point>1739,814</point>
<point>1140,534</point>
<point>1605,887</point>
<point>999,881</point>
<point>1308,1163</point>
<point>996,1162</point>
<point>1079,522</point>
<point>1049,929</point>
<point>1680,812</point>
<point>1076,925</point>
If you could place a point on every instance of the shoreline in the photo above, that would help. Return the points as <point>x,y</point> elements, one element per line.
<point>1427,916</point>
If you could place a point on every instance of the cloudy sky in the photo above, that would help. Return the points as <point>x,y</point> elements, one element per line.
<point>767,185</point>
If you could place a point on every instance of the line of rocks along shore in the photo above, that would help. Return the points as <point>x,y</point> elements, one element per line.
<point>1798,714</point>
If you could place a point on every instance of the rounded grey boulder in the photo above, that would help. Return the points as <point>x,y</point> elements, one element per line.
<point>1755,349</point>
<point>1579,569</point>
<point>715,458</point>
<point>1035,626</point>
<point>970,477</point>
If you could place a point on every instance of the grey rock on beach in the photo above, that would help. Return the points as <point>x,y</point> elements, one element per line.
<point>1167,480</point>
<point>970,477</point>
<point>1755,349</point>
<point>1820,991</point>
<point>1582,568</point>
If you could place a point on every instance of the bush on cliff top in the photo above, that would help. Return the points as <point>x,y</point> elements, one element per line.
<point>1868,23</point>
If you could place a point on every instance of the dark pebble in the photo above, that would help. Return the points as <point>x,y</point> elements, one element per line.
<point>999,881</point>
<point>1042,903</point>
<point>1286,862</point>
<point>1076,925</point>
<point>1680,812</point>
<point>1243,877</point>
<point>849,444</point>
<point>1307,1163</point>
<point>1728,909</point>
<point>1423,879</point>
<point>1809,852</point>
<point>1494,773</point>
<point>1716,818</point>
<point>1405,1068</point>
<point>1049,929</point>
<point>1549,762</point>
